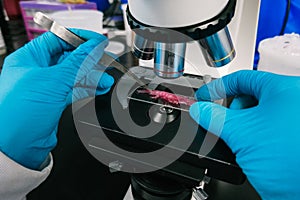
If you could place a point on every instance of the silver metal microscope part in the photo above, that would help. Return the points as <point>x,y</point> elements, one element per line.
<point>198,192</point>
<point>142,48</point>
<point>163,114</point>
<point>169,59</point>
<point>75,40</point>
<point>218,48</point>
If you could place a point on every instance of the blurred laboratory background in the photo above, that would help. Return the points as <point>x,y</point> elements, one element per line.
<point>18,27</point>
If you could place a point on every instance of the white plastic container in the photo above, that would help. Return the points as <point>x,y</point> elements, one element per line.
<point>83,19</point>
<point>128,30</point>
<point>280,55</point>
<point>2,45</point>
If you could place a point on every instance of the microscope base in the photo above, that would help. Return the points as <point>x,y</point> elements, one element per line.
<point>151,186</point>
<point>129,195</point>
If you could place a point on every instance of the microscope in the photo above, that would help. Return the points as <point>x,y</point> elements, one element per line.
<point>163,29</point>
<point>187,43</point>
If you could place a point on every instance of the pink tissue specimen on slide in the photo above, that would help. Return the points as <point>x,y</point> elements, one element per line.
<point>168,97</point>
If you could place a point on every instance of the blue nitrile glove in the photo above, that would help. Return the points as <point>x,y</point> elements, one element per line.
<point>37,84</point>
<point>266,137</point>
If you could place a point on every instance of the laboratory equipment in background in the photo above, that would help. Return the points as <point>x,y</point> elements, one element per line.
<point>29,8</point>
<point>102,5</point>
<point>89,20</point>
<point>2,45</point>
<point>280,54</point>
<point>83,18</point>
<point>128,31</point>
<point>12,26</point>
<point>113,17</point>
<point>121,129</point>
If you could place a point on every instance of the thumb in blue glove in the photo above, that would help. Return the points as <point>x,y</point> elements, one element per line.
<point>36,84</point>
<point>266,137</point>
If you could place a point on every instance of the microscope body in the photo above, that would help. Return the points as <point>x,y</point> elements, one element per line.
<point>191,37</point>
<point>195,36</point>
<point>177,42</point>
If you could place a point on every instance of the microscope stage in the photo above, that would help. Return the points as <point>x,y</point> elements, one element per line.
<point>163,132</point>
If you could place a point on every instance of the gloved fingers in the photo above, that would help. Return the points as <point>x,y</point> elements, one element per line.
<point>95,83</point>
<point>82,60</point>
<point>246,82</point>
<point>65,54</point>
<point>96,64</point>
<point>76,94</point>
<point>46,49</point>
<point>62,57</point>
<point>209,115</point>
<point>217,119</point>
<point>98,80</point>
<point>80,93</point>
<point>38,52</point>
<point>242,102</point>
<point>86,34</point>
<point>54,45</point>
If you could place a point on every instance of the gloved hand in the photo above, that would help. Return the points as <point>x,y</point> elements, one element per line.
<point>266,137</point>
<point>37,84</point>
